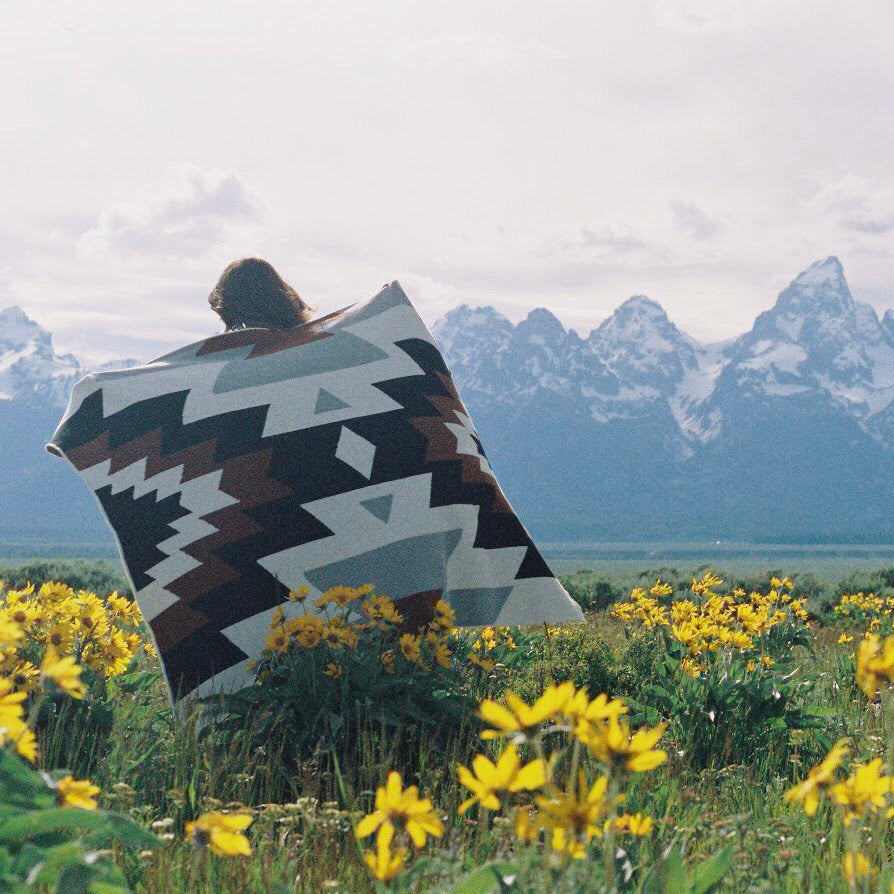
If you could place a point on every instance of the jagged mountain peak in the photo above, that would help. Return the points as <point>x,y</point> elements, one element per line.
<point>465,330</point>
<point>30,369</point>
<point>541,327</point>
<point>471,316</point>
<point>543,319</point>
<point>637,318</point>
<point>640,344</point>
<point>824,271</point>
<point>641,307</point>
<point>17,329</point>
<point>816,337</point>
<point>819,290</point>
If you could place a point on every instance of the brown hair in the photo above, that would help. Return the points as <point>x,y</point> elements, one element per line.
<point>251,293</point>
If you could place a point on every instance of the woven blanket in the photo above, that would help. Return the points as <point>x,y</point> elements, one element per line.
<point>259,461</point>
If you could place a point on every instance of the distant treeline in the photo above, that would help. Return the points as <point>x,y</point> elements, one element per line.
<point>96,575</point>
<point>592,590</point>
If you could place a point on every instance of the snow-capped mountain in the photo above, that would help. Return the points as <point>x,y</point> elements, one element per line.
<point>41,497</point>
<point>817,340</point>
<point>30,369</point>
<point>635,432</point>
<point>664,436</point>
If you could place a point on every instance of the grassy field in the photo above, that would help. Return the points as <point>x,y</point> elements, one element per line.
<point>717,703</point>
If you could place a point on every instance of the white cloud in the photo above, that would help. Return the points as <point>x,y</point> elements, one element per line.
<point>191,215</point>
<point>694,219</point>
<point>856,204</point>
<point>699,15</point>
<point>494,153</point>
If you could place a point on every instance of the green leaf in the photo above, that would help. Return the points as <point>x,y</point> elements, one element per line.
<point>660,691</point>
<point>21,786</point>
<point>119,829</point>
<point>487,879</point>
<point>75,879</point>
<point>709,873</point>
<point>675,880</point>
<point>26,859</point>
<point>38,823</point>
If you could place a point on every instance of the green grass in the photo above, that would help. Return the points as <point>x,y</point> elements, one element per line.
<point>164,774</point>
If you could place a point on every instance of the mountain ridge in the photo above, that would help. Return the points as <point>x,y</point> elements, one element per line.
<point>635,432</point>
<point>799,409</point>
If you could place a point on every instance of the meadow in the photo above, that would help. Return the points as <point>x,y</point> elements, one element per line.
<point>702,731</point>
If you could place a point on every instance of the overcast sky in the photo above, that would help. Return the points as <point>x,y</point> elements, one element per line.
<point>565,154</point>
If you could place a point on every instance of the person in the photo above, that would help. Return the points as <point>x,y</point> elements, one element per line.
<point>291,452</point>
<point>251,294</point>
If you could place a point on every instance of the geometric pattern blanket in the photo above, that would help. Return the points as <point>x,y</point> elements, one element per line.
<point>259,461</point>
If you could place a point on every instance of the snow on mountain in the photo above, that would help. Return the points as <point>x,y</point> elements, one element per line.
<point>636,358</point>
<point>818,340</point>
<point>30,369</point>
<point>634,432</point>
<point>815,340</point>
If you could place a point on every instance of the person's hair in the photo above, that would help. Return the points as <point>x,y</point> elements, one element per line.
<point>251,293</point>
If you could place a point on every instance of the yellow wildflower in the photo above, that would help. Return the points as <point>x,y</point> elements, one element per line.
<point>306,631</point>
<point>521,721</point>
<point>857,867</point>
<point>342,597</point>
<point>381,610</point>
<point>484,663</point>
<point>491,783</point>
<point>682,610</point>
<point>277,641</point>
<point>10,703</point>
<point>120,608</point>
<point>333,669</point>
<point>442,653</point>
<point>818,779</point>
<point>24,613</point>
<point>91,617</point>
<point>384,865</point>
<point>410,646</point>
<point>528,825</point>
<point>576,815</point>
<point>866,787</point>
<point>579,708</point>
<point>53,593</point>
<point>223,832</point>
<point>25,677</point>
<point>65,672</point>
<point>117,651</point>
<point>59,635</point>
<point>692,668</point>
<point>616,745</point>
<point>77,793</point>
<point>335,635</point>
<point>403,809</point>
<point>445,615</point>
<point>635,825</point>
<point>25,742</point>
<point>875,663</point>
